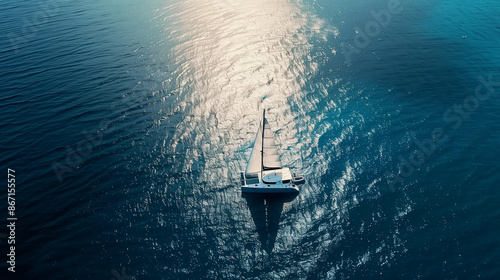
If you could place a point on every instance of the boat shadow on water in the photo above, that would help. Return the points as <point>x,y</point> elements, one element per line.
<point>266,212</point>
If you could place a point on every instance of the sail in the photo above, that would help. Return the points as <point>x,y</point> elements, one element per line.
<point>254,163</point>
<point>270,158</point>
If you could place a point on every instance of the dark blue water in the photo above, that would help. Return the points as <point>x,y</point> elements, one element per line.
<point>127,124</point>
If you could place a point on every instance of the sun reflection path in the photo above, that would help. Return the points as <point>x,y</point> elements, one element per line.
<point>230,60</point>
<point>233,59</point>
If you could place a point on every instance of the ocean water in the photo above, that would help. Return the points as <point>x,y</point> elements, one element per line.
<point>127,124</point>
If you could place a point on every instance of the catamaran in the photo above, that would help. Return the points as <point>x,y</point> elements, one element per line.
<point>265,173</point>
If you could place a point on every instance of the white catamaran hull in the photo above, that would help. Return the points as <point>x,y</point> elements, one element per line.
<point>265,189</point>
<point>265,173</point>
<point>275,181</point>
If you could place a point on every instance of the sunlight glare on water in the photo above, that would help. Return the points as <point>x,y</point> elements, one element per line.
<point>234,60</point>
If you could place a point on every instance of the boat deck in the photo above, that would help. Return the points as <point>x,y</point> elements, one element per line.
<point>275,181</point>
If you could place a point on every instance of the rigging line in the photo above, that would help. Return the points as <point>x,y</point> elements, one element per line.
<point>262,149</point>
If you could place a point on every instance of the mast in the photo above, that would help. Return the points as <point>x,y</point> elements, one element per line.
<point>262,151</point>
